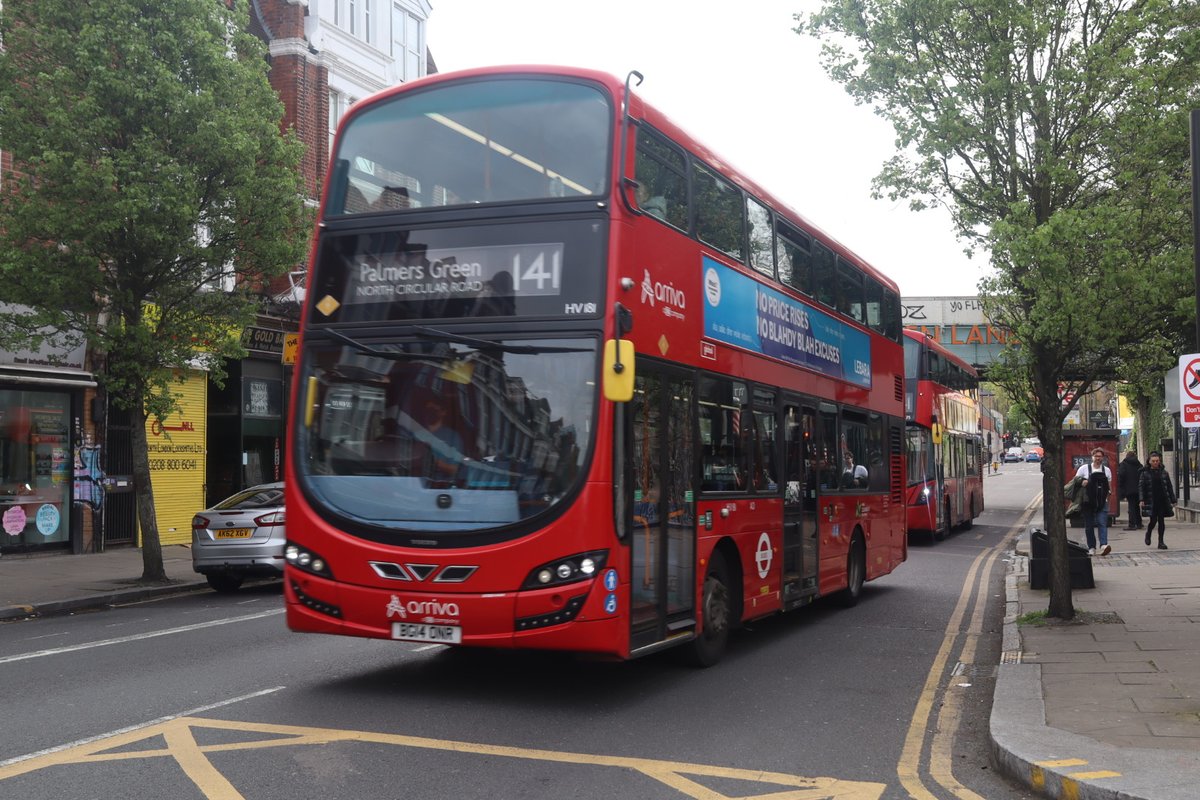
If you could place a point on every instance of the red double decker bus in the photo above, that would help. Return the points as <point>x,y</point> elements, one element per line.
<point>569,381</point>
<point>946,456</point>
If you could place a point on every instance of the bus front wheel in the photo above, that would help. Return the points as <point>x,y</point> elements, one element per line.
<point>856,572</point>
<point>716,614</point>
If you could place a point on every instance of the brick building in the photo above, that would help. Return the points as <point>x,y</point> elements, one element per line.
<point>65,458</point>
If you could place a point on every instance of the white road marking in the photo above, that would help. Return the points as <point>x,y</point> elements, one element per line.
<point>138,636</point>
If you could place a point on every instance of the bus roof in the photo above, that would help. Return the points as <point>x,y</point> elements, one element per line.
<point>641,110</point>
<point>933,344</point>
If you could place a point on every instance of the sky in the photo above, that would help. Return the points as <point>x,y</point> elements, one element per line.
<point>737,78</point>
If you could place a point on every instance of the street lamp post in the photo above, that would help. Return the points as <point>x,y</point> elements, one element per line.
<point>1196,213</point>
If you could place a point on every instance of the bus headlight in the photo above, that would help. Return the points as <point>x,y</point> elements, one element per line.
<point>304,559</point>
<point>566,570</point>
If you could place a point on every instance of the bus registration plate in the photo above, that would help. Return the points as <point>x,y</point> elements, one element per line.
<point>412,632</point>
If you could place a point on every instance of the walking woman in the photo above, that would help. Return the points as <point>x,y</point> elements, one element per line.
<point>1157,497</point>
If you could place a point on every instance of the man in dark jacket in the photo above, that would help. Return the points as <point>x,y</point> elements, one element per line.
<point>1127,485</point>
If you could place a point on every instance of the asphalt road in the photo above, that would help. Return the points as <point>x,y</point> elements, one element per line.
<point>207,696</point>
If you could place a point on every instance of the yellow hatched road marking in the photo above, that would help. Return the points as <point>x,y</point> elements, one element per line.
<point>181,745</point>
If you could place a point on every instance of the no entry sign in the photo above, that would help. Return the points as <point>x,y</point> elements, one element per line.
<point>1189,390</point>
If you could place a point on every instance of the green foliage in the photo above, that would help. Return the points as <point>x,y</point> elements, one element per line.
<point>150,166</point>
<point>1055,132</point>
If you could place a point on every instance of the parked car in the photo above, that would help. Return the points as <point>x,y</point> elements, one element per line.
<point>1013,455</point>
<point>240,537</point>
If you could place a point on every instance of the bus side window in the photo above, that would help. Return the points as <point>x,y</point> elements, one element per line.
<point>825,283</point>
<point>661,174</point>
<point>856,471</point>
<point>850,294</point>
<point>874,296</point>
<point>892,315</point>
<point>766,476</point>
<point>826,449</point>
<point>878,462</point>
<point>758,228</point>
<point>795,260</point>
<point>719,210</point>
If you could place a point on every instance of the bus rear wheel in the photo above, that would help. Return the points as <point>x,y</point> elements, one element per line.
<point>943,525</point>
<point>716,615</point>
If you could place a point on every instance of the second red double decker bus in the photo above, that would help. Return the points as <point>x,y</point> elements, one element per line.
<point>946,456</point>
<point>569,381</point>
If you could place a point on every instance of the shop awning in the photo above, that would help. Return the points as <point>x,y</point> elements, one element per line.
<point>47,376</point>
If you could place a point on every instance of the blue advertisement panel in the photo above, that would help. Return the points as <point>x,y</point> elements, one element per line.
<point>740,311</point>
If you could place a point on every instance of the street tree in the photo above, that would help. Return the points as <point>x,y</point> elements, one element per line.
<point>153,193</point>
<point>1017,116</point>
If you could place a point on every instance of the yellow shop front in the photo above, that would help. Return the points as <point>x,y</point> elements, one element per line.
<point>176,448</point>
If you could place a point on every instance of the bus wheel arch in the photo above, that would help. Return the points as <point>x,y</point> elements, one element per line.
<point>720,608</point>
<point>856,570</point>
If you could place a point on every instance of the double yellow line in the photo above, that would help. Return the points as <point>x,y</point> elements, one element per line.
<point>950,714</point>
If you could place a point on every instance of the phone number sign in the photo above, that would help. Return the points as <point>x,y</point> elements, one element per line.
<point>1189,390</point>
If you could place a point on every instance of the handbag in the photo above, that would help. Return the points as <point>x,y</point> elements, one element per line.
<point>1169,511</point>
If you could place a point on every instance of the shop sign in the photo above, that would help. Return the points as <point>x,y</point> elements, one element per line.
<point>62,350</point>
<point>263,340</point>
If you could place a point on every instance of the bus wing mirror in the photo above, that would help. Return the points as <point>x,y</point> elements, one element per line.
<point>618,370</point>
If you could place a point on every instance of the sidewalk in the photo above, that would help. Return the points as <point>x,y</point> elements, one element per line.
<point>1107,706</point>
<point>55,584</point>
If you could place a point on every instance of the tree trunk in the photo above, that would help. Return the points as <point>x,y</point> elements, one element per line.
<point>1049,420</point>
<point>152,560</point>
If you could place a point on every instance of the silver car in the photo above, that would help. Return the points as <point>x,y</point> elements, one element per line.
<point>240,537</point>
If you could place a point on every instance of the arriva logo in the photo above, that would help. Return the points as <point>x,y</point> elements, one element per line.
<point>674,300</point>
<point>398,608</point>
<point>433,607</point>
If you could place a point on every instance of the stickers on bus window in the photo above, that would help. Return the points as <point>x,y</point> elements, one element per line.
<point>740,311</point>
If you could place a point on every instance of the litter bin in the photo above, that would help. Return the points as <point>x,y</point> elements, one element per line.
<point>1080,564</point>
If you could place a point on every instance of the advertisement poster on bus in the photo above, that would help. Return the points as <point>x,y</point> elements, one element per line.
<point>740,311</point>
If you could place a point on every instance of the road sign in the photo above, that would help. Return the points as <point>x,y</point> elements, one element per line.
<point>291,344</point>
<point>1189,390</point>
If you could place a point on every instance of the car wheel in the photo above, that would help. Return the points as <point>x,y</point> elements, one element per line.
<point>716,614</point>
<point>224,582</point>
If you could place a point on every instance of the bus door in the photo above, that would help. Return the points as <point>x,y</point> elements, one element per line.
<point>800,538</point>
<point>663,531</point>
<point>955,484</point>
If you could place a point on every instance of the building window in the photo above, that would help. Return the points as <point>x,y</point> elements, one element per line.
<point>335,114</point>
<point>408,34</point>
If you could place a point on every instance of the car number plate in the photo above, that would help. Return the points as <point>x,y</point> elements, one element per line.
<point>234,533</point>
<point>413,632</point>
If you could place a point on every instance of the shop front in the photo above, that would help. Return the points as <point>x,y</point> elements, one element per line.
<point>176,448</point>
<point>246,419</point>
<point>41,432</point>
